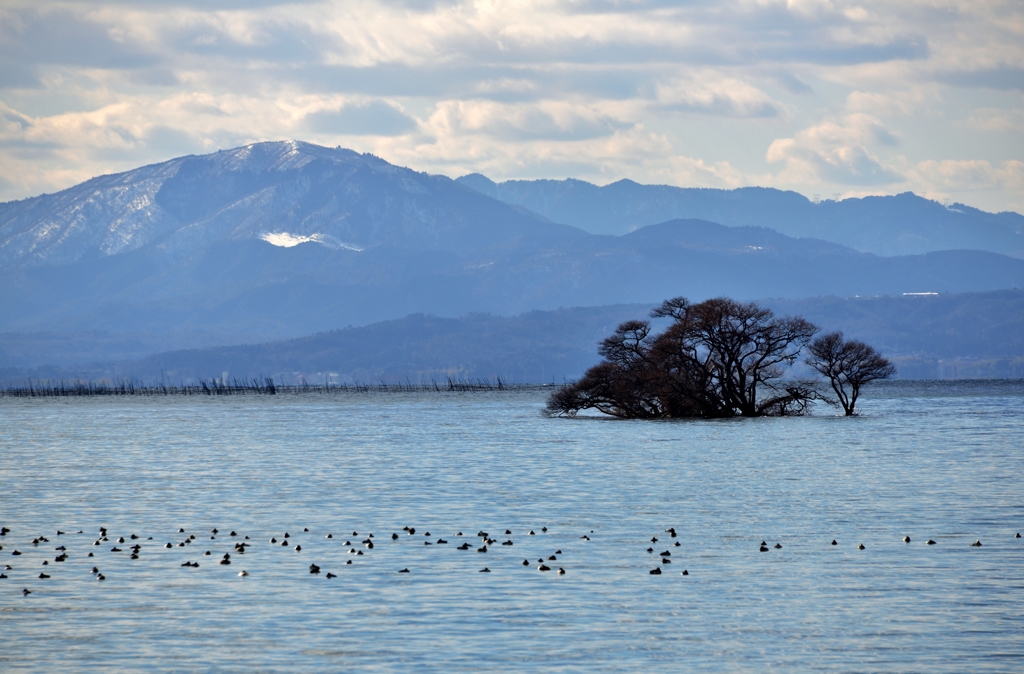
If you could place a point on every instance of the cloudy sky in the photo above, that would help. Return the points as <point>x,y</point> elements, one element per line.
<point>825,97</point>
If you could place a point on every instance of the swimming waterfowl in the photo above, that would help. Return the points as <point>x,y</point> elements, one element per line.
<point>314,569</point>
<point>441,541</point>
<point>508,532</point>
<point>976,544</point>
<point>394,537</point>
<point>485,570</point>
<point>677,544</point>
<point>930,542</point>
<point>331,575</point>
<point>545,529</point>
<point>305,529</point>
<point>552,558</point>
<point>26,591</point>
<point>329,536</point>
<point>482,549</point>
<point>665,554</point>
<point>168,546</point>
<point>654,539</point>
<point>404,571</point>
<point>656,572</point>
<point>906,539</point>
<point>543,567</point>
<point>561,571</point>
<point>778,546</point>
<point>526,562</point>
<point>102,577</point>
<point>43,575</point>
<point>298,548</point>
<point>685,573</point>
<point>666,560</point>
<point>764,548</point>
<point>860,547</point>
<point>834,542</point>
<point>243,573</point>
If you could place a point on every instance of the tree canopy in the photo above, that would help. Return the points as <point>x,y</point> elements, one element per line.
<point>719,358</point>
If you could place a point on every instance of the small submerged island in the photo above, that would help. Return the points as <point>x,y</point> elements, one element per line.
<point>718,359</point>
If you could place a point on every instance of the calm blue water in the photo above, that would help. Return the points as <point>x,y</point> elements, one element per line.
<point>941,460</point>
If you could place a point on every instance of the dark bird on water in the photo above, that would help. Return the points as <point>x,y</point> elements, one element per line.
<point>976,544</point>
<point>860,547</point>
<point>834,542</point>
<point>561,571</point>
<point>764,548</point>
<point>526,562</point>
<point>685,573</point>
<point>906,539</point>
<point>778,546</point>
<point>404,571</point>
<point>485,570</point>
<point>331,575</point>
<point>656,572</point>
<point>930,542</point>
<point>543,567</point>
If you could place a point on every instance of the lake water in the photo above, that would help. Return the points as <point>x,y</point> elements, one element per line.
<point>941,461</point>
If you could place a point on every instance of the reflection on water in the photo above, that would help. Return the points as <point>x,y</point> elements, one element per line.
<point>940,461</point>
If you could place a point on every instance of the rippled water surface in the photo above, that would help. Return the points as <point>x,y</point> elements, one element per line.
<point>940,461</point>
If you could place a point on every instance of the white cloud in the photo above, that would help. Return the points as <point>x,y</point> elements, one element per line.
<point>807,94</point>
<point>837,151</point>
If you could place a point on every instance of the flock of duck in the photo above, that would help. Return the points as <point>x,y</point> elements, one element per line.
<point>241,546</point>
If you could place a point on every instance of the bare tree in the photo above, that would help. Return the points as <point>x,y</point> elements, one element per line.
<point>848,365</point>
<point>719,358</point>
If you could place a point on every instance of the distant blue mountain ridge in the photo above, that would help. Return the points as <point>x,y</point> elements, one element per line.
<point>283,239</point>
<point>904,224</point>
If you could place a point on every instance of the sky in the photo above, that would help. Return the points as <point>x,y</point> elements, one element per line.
<point>829,98</point>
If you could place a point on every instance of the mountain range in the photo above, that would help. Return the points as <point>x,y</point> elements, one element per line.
<point>284,239</point>
<point>904,224</point>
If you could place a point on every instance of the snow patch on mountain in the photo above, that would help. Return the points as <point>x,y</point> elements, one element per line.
<point>288,240</point>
